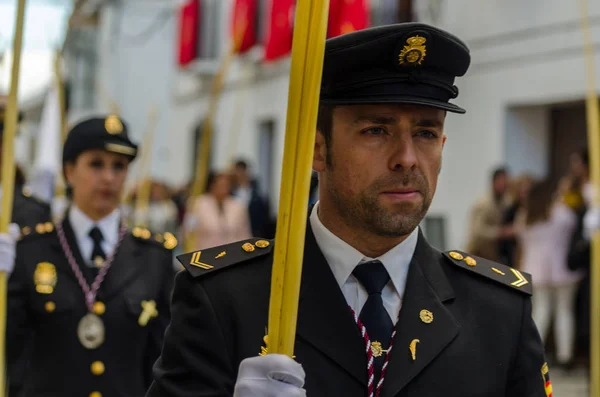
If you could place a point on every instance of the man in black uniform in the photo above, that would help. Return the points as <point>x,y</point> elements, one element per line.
<point>92,296</point>
<point>28,211</point>
<point>426,323</point>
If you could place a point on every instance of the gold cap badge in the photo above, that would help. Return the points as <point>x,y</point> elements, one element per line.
<point>113,125</point>
<point>413,53</point>
<point>44,277</point>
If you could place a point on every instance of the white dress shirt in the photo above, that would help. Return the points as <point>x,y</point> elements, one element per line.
<point>82,224</point>
<point>343,258</point>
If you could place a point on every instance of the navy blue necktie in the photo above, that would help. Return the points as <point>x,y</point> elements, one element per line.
<point>98,254</point>
<point>373,276</point>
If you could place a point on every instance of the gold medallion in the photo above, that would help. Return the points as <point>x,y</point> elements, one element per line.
<point>45,278</point>
<point>426,316</point>
<point>413,53</point>
<point>113,125</point>
<point>262,243</point>
<point>91,331</point>
<point>470,261</point>
<point>248,247</point>
<point>456,256</point>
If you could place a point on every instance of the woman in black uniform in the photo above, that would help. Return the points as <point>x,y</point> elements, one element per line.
<point>92,296</point>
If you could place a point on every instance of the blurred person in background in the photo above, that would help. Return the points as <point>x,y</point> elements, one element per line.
<point>486,228</point>
<point>216,217</point>
<point>544,230</point>
<point>519,189</point>
<point>90,296</point>
<point>162,213</point>
<point>246,188</point>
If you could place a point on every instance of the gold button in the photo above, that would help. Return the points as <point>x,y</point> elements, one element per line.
<point>248,247</point>
<point>50,306</point>
<point>99,308</point>
<point>95,394</point>
<point>470,261</point>
<point>456,256</point>
<point>97,367</point>
<point>262,243</point>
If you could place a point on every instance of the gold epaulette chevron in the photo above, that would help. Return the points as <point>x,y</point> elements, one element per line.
<point>206,261</point>
<point>195,261</point>
<point>501,273</point>
<point>520,281</point>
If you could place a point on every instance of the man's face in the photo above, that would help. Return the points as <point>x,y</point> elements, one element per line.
<point>380,170</point>
<point>501,184</point>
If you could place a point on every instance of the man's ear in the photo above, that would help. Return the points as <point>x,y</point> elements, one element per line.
<point>320,155</point>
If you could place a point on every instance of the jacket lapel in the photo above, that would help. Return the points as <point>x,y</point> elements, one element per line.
<point>324,319</point>
<point>64,264</point>
<point>123,269</point>
<point>427,288</point>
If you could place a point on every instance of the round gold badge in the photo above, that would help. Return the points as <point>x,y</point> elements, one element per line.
<point>99,308</point>
<point>113,125</point>
<point>97,368</point>
<point>50,306</point>
<point>426,316</point>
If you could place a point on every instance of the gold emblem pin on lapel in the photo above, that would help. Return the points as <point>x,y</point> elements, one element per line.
<point>148,312</point>
<point>413,348</point>
<point>222,254</point>
<point>377,349</point>
<point>500,272</point>
<point>426,316</point>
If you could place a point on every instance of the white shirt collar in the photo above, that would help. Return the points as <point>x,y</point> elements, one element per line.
<point>343,258</point>
<point>82,224</point>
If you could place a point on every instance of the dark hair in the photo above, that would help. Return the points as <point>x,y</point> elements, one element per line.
<point>538,202</point>
<point>499,172</point>
<point>212,178</point>
<point>241,164</point>
<point>325,122</point>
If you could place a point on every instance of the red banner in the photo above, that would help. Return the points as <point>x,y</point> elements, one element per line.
<point>346,16</point>
<point>243,27</point>
<point>189,16</point>
<point>281,28</point>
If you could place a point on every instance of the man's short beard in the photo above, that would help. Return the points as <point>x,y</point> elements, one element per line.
<point>365,212</point>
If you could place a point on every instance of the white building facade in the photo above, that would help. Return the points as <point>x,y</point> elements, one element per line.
<point>527,75</point>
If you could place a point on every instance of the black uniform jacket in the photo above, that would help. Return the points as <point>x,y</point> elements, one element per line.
<point>52,308</point>
<point>482,341</point>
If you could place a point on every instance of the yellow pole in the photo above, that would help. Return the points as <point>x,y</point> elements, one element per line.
<point>303,101</point>
<point>8,174</point>
<point>202,162</point>
<point>60,183</point>
<point>593,128</point>
<point>143,195</point>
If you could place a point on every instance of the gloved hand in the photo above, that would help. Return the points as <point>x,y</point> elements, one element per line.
<point>8,243</point>
<point>591,222</point>
<point>272,375</point>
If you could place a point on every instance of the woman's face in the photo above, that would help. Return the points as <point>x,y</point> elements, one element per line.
<point>97,178</point>
<point>221,187</point>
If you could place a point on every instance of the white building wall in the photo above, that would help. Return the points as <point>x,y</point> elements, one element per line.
<point>525,55</point>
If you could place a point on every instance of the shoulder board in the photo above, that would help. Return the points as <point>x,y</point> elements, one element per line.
<point>40,229</point>
<point>502,274</point>
<point>165,240</point>
<point>200,263</point>
<point>26,193</point>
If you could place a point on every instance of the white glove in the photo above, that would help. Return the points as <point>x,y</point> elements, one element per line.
<point>8,243</point>
<point>272,375</point>
<point>591,222</point>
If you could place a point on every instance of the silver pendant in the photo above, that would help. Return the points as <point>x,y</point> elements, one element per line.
<point>91,331</point>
